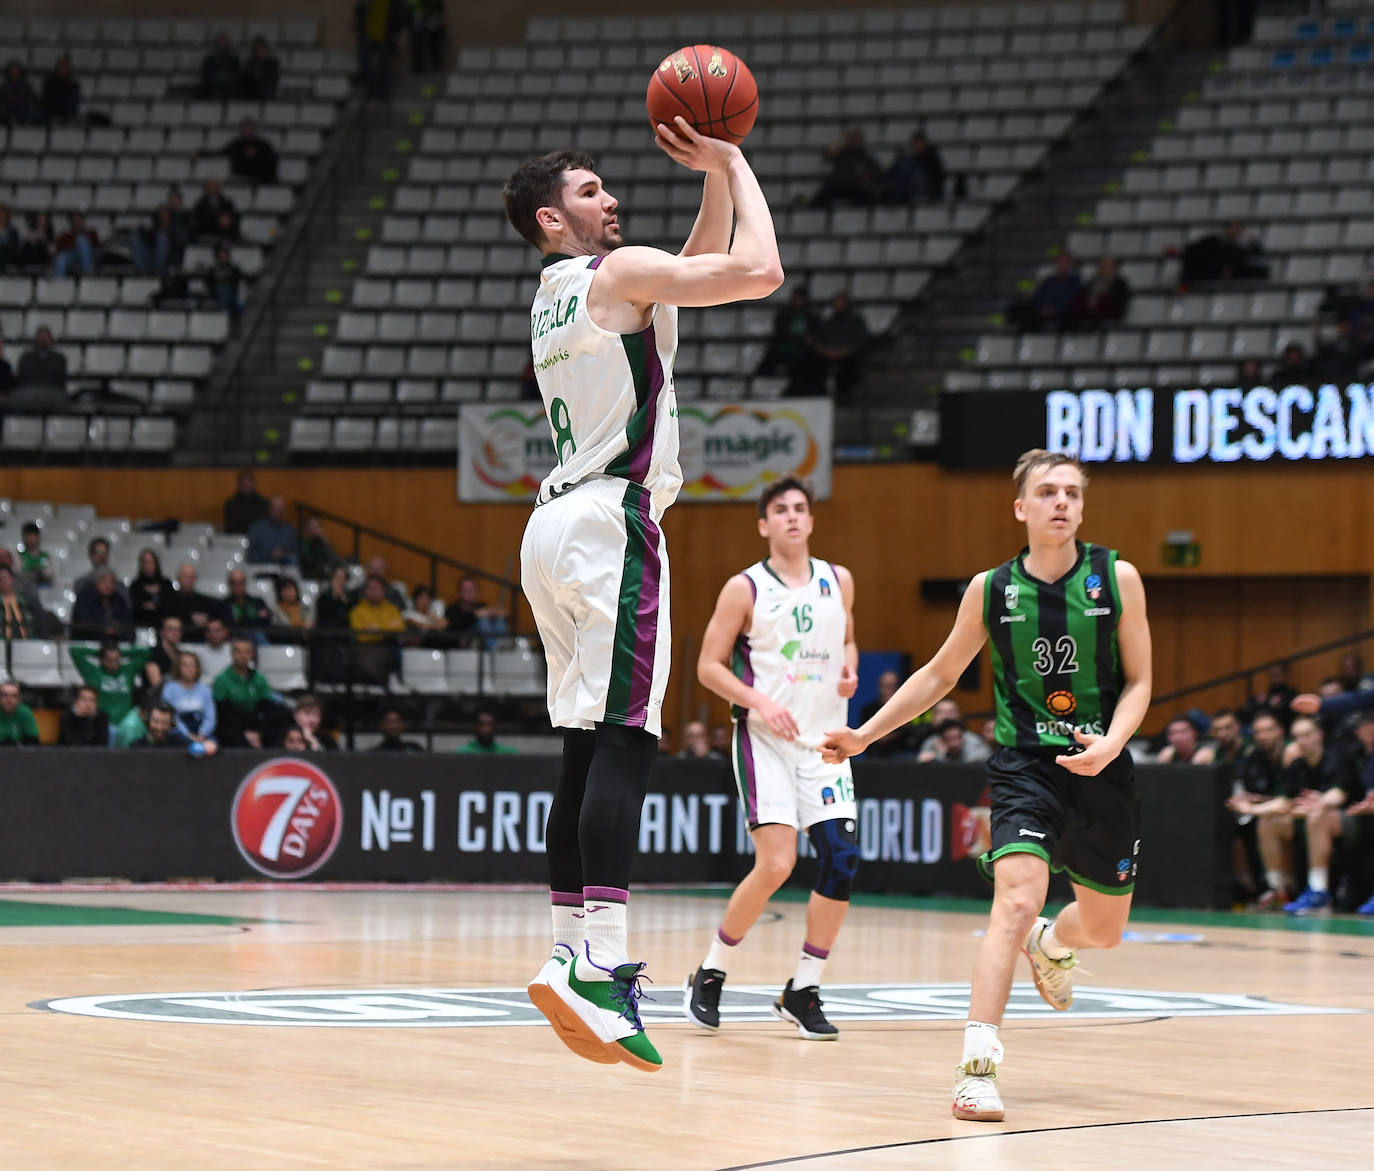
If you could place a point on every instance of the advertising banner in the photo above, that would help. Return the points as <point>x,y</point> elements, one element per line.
<point>729,451</point>
<point>250,815</point>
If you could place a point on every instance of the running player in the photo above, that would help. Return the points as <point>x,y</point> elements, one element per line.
<point>593,563</point>
<point>780,647</point>
<point>1071,675</point>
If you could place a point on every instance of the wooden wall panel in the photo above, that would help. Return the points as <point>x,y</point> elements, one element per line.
<point>893,525</point>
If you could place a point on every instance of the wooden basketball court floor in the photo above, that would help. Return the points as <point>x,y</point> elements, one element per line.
<point>1206,1044</point>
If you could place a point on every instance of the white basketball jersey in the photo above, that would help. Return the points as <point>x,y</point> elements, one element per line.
<point>793,651</point>
<point>608,396</point>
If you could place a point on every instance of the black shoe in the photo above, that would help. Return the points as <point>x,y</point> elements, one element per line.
<point>701,997</point>
<point>802,1006</point>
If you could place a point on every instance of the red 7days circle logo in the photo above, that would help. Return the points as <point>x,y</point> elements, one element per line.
<point>286,818</point>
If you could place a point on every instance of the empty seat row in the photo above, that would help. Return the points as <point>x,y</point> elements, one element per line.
<point>1168,376</point>
<point>310,435</point>
<point>140,199</point>
<point>1334,82</point>
<point>1278,238</point>
<point>21,292</point>
<point>119,325</point>
<point>1256,57</point>
<point>1244,113</point>
<point>1279,30</point>
<point>380,361</point>
<point>1244,145</point>
<point>155,30</point>
<point>1245,178</point>
<point>1262,206</point>
<point>417,392</point>
<point>283,132</point>
<point>99,63</point>
<point>130,169</point>
<point>75,433</point>
<point>1120,345</point>
<point>108,359</point>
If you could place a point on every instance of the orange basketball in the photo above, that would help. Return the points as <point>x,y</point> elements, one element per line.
<point>710,87</point>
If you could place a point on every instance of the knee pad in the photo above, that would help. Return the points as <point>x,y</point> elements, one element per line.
<point>837,847</point>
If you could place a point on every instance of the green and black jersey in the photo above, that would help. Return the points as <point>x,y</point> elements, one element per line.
<point>1055,662</point>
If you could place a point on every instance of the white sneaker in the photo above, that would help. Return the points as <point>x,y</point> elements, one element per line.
<point>975,1087</point>
<point>567,1025</point>
<point>1053,978</point>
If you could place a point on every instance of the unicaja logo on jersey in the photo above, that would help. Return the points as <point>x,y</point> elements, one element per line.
<point>1093,584</point>
<point>286,818</point>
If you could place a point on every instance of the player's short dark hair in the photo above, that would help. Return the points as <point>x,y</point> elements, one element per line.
<point>30,527</point>
<point>786,484</point>
<point>1181,720</point>
<point>1265,714</point>
<point>1221,712</point>
<point>93,542</point>
<point>1038,458</point>
<point>539,183</point>
<point>945,725</point>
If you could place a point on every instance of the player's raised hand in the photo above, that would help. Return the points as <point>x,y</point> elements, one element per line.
<point>1307,703</point>
<point>840,745</point>
<point>1097,754</point>
<point>696,152</point>
<point>849,682</point>
<point>777,717</point>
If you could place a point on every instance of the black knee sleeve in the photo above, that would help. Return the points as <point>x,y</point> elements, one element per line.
<point>837,848</point>
<point>608,829</point>
<point>562,852</point>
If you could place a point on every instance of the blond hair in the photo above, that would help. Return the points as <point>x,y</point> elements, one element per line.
<point>1038,458</point>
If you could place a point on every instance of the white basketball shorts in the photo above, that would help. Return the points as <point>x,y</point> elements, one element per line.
<point>780,782</point>
<point>594,567</point>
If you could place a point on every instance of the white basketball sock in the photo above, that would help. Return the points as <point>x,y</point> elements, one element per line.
<point>982,1049</point>
<point>1316,879</point>
<point>722,948</point>
<point>567,920</point>
<point>606,931</point>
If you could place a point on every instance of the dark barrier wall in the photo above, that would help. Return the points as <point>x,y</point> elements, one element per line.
<point>371,817</point>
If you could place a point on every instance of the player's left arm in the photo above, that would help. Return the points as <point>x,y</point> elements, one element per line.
<point>1133,642</point>
<point>849,677</point>
<point>711,232</point>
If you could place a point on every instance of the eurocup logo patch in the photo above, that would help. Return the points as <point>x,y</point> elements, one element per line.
<point>1094,586</point>
<point>1011,595</point>
<point>286,818</point>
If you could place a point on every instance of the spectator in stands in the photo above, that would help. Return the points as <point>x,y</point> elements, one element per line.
<point>375,615</point>
<point>250,155</point>
<point>9,240</point>
<point>83,724</point>
<point>900,741</point>
<point>161,729</point>
<point>193,608</point>
<point>248,708</point>
<point>425,615</point>
<point>789,345</point>
<point>1293,367</point>
<point>43,365</point>
<point>18,728</point>
<point>245,506</point>
<point>292,740</point>
<point>220,76</point>
<point>469,617</point>
<point>61,93</point>
<point>246,611</point>
<point>376,23</point>
<point>1350,674</point>
<point>308,717</point>
<point>1233,255</point>
<point>207,216</point>
<point>332,607</point>
<point>1184,746</point>
<point>427,35</point>
<point>484,742</point>
<point>392,728</point>
<point>696,743</point>
<point>951,743</point>
<point>35,248</point>
<point>6,372</point>
<point>272,538</point>
<point>113,672</point>
<point>1324,782</point>
<point>288,610</point>
<point>161,244</point>
<point>855,176</point>
<point>150,593</point>
<point>261,72</point>
<point>165,655</point>
<point>76,249</point>
<point>225,280</point>
<point>34,562</point>
<point>19,105</point>
<point>917,174</point>
<point>190,698</point>
<point>720,740</point>
<point>17,612</point>
<point>1276,699</point>
<point>316,556</point>
<point>377,566</point>
<point>1249,375</point>
<point>1360,314</point>
<point>1055,301</point>
<point>840,343</point>
<point>217,652</point>
<point>98,552</point>
<point>1106,296</point>
<point>100,610</point>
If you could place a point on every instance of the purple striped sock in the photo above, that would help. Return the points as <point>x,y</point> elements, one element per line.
<point>810,949</point>
<point>725,939</point>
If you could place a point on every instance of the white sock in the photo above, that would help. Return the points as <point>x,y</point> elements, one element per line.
<point>982,1049</point>
<point>606,932</point>
<point>810,965</point>
<point>722,948</point>
<point>1051,946</point>
<point>567,921</point>
<point>1276,880</point>
<point>1316,879</point>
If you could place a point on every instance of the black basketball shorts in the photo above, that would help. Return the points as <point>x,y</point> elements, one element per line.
<point>1088,827</point>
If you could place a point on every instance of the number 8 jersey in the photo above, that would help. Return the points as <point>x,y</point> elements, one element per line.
<point>608,396</point>
<point>1055,662</point>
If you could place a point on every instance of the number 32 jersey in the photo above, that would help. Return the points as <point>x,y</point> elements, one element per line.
<point>793,650</point>
<point>608,396</point>
<point>1056,665</point>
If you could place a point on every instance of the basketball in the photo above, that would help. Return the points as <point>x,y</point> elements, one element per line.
<point>710,87</point>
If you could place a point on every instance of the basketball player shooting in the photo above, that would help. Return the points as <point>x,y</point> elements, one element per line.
<point>593,563</point>
<point>1071,677</point>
